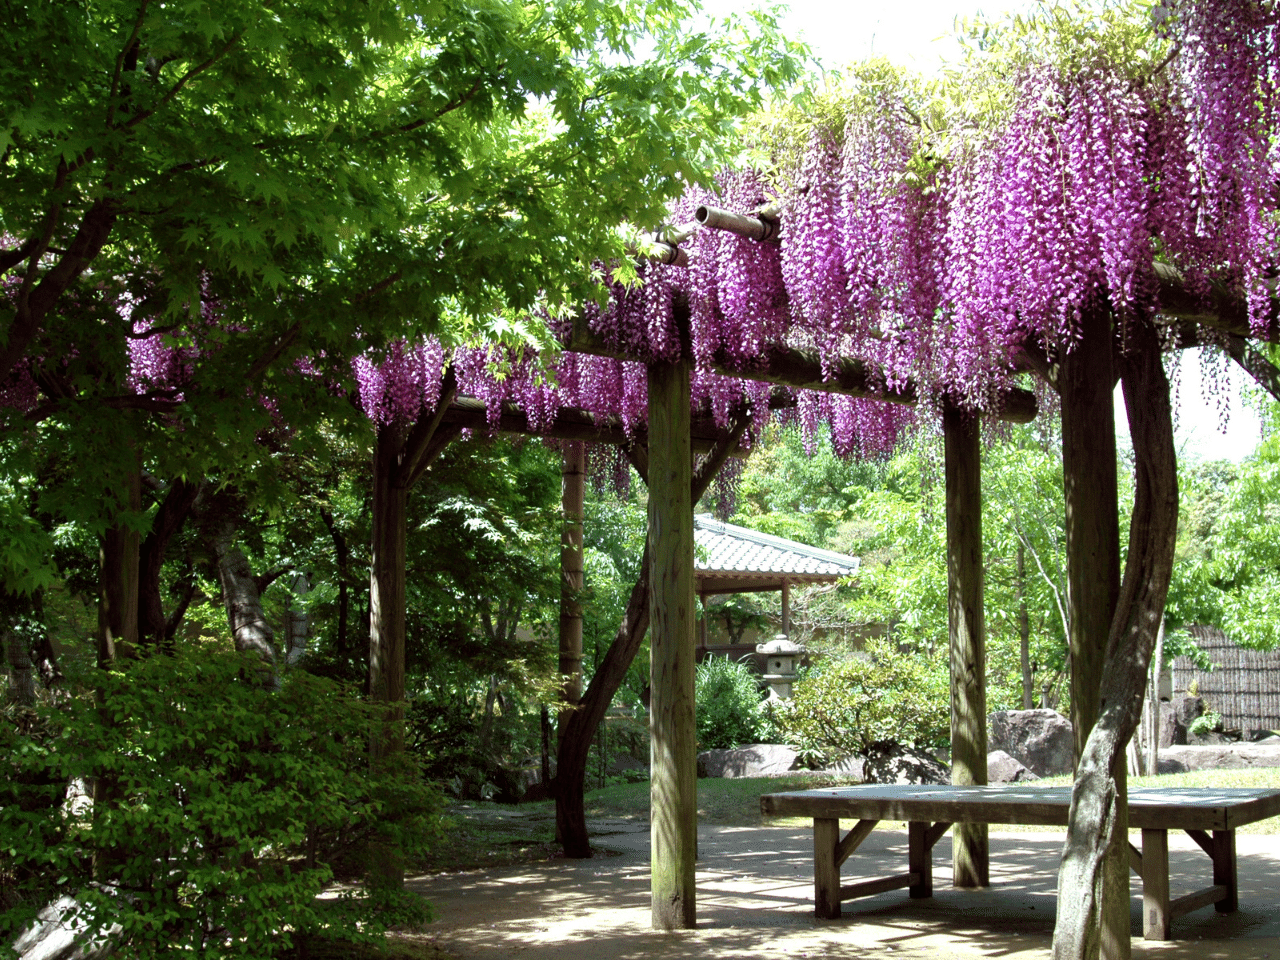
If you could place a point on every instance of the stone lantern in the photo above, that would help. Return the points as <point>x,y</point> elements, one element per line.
<point>781,658</point>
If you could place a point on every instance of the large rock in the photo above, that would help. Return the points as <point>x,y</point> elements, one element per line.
<point>753,760</point>
<point>853,766</point>
<point>1234,756</point>
<point>58,933</point>
<point>1186,710</point>
<point>1040,740</point>
<point>898,764</point>
<point>1168,724</point>
<point>1002,768</point>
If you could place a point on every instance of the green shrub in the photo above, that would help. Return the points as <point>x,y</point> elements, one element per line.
<point>232,807</point>
<point>730,710</point>
<point>843,707</point>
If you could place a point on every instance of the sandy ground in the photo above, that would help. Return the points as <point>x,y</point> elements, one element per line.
<point>755,899</point>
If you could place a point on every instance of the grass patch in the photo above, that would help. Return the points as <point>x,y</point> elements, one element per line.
<point>734,802</point>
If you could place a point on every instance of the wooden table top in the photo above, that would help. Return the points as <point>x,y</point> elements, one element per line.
<point>1170,808</point>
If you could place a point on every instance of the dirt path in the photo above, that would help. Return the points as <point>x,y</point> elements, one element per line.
<point>755,892</point>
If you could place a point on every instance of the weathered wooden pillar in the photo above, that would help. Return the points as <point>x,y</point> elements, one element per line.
<point>673,758</point>
<point>572,498</point>
<point>1086,384</point>
<point>968,635</point>
<point>387,621</point>
<point>786,608</point>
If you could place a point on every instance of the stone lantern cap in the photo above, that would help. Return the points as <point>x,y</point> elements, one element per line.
<point>780,645</point>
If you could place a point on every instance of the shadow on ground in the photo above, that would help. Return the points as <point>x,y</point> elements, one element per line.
<point>755,898</point>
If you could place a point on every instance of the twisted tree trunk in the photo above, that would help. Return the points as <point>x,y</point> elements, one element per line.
<point>1097,802</point>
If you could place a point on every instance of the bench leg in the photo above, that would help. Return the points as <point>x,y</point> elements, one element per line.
<point>1155,885</point>
<point>826,869</point>
<point>920,859</point>
<point>1224,870</point>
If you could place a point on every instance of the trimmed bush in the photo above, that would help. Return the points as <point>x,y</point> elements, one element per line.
<point>730,709</point>
<point>845,707</point>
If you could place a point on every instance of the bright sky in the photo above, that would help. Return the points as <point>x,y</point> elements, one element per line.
<point>917,33</point>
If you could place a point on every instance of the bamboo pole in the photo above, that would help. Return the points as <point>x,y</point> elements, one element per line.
<point>967,630</point>
<point>673,793</point>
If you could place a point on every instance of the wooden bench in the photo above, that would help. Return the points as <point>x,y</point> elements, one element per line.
<point>1210,818</point>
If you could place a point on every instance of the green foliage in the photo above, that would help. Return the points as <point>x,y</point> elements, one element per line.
<point>1205,723</point>
<point>1228,571</point>
<point>730,711</point>
<point>224,810</point>
<point>849,706</point>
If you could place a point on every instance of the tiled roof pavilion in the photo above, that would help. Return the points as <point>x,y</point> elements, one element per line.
<point>733,559</point>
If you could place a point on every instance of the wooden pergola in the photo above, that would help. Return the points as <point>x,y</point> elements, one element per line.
<point>1084,380</point>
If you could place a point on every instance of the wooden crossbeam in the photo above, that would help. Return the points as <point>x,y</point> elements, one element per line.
<point>853,839</point>
<point>573,423</point>
<point>869,888</point>
<point>802,369</point>
<point>1194,901</point>
<point>1202,839</point>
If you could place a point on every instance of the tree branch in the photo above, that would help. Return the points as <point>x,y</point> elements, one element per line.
<point>186,78</point>
<point>130,44</point>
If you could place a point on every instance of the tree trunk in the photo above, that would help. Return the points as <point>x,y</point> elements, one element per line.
<point>22,678</point>
<point>44,656</point>
<point>342,562</point>
<point>967,635</point>
<point>387,621</point>
<point>580,725</point>
<point>118,585</point>
<point>117,640</point>
<point>240,597</point>
<point>1097,801</point>
<point>1024,632</point>
<point>1086,382</point>
<point>1153,740</point>
<point>574,748</point>
<point>174,509</point>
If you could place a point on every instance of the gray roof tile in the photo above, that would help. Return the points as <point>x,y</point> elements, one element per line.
<point>729,549</point>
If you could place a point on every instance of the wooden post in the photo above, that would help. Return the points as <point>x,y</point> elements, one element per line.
<point>968,638</point>
<point>826,868</point>
<point>673,759</point>
<point>573,489</point>
<point>1155,884</point>
<point>387,621</point>
<point>1224,870</point>
<point>920,859</point>
<point>1086,384</point>
<point>786,608</point>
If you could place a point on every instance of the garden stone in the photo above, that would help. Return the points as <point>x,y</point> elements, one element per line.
<point>1186,710</point>
<point>1041,740</point>
<point>898,764</point>
<point>1002,768</point>
<point>1232,756</point>
<point>848,767</point>
<point>753,760</point>
<point>1168,724</point>
<point>55,936</point>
